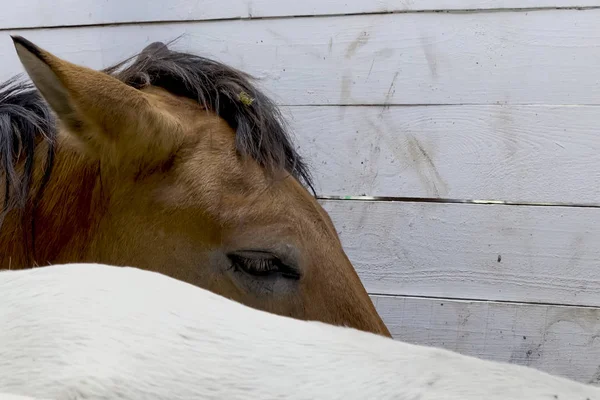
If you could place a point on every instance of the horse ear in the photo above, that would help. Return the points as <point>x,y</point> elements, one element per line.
<point>156,49</point>
<point>102,111</point>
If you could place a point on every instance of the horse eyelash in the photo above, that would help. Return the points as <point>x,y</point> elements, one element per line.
<point>256,264</point>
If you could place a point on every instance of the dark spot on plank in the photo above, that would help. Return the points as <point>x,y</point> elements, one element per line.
<point>432,381</point>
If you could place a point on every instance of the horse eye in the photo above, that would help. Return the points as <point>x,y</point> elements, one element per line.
<point>262,265</point>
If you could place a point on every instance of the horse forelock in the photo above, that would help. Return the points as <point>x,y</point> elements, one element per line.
<point>261,132</point>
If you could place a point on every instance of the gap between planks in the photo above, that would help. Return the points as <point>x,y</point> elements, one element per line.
<point>477,300</point>
<point>392,105</point>
<point>456,201</point>
<point>331,15</point>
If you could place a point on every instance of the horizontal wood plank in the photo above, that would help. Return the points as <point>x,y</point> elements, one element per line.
<point>43,14</point>
<point>560,340</point>
<point>511,153</point>
<point>545,57</point>
<point>461,251</point>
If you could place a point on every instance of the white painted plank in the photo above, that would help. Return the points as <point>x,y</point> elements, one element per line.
<point>42,13</point>
<point>560,340</point>
<point>491,252</point>
<point>513,153</point>
<point>546,57</point>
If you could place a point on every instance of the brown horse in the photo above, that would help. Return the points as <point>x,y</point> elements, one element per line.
<point>173,163</point>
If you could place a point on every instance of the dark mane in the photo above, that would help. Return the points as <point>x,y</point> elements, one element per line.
<point>25,121</point>
<point>25,118</point>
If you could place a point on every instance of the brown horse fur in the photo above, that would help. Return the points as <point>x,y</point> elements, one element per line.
<point>172,163</point>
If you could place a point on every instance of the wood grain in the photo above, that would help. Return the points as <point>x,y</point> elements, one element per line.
<point>545,57</point>
<point>512,153</point>
<point>559,340</point>
<point>41,13</point>
<point>490,252</point>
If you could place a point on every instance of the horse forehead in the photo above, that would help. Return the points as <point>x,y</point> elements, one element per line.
<point>195,120</point>
<point>174,103</point>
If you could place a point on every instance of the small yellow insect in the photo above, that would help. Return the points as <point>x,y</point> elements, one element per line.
<point>245,98</point>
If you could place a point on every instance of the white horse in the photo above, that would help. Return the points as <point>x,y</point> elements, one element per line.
<point>89,331</point>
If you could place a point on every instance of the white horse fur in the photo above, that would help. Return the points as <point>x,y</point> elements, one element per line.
<point>89,331</point>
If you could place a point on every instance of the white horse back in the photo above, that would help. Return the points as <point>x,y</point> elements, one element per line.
<point>9,396</point>
<point>88,331</point>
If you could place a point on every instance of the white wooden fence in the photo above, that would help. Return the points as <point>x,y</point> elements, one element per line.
<point>431,99</point>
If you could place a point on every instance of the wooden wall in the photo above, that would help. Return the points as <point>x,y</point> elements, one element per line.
<point>421,103</point>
